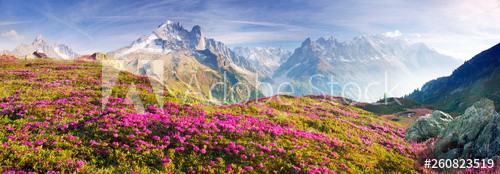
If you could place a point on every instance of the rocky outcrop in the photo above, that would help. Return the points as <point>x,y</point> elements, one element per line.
<point>428,126</point>
<point>488,142</point>
<point>475,134</point>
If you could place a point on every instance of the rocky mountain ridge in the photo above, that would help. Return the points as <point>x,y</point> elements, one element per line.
<point>59,51</point>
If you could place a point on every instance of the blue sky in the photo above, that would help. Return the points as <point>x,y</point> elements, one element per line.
<point>459,28</point>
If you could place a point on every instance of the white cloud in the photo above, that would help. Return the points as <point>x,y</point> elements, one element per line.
<point>269,24</point>
<point>12,35</point>
<point>255,36</point>
<point>392,34</point>
<point>457,45</point>
<point>461,28</point>
<point>12,23</point>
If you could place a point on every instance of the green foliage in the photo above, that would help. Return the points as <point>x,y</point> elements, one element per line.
<point>52,119</point>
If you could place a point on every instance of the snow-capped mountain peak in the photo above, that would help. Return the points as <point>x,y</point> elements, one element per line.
<point>166,37</point>
<point>166,23</point>
<point>60,51</point>
<point>360,49</point>
<point>367,59</point>
<point>168,30</point>
<point>171,36</point>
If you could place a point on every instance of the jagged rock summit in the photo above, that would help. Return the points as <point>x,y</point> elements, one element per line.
<point>171,36</point>
<point>187,60</point>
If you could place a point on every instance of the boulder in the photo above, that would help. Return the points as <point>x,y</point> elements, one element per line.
<point>428,126</point>
<point>488,142</point>
<point>475,134</point>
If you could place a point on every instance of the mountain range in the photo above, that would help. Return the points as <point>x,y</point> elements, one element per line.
<point>189,63</point>
<point>265,59</point>
<point>475,79</point>
<point>365,68</point>
<point>52,50</point>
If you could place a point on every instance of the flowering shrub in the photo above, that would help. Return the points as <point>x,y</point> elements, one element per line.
<point>52,120</point>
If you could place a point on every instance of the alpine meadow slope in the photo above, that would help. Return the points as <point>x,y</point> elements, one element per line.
<point>54,120</point>
<point>174,101</point>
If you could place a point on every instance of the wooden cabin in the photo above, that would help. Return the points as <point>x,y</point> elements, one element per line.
<point>39,54</point>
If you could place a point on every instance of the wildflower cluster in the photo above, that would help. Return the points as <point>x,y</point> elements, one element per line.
<point>52,120</point>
